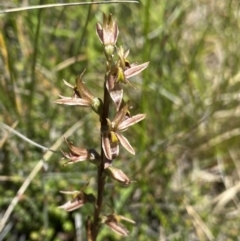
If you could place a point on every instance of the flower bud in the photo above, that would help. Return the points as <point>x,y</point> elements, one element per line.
<point>108,34</point>
<point>118,175</point>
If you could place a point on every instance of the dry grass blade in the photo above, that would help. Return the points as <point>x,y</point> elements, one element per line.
<point>60,5</point>
<point>199,223</point>
<point>10,129</point>
<point>5,136</point>
<point>225,197</point>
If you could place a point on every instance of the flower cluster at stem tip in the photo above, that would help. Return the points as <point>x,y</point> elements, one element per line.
<point>117,73</point>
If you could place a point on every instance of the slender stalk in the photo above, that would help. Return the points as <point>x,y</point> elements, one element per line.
<point>101,178</point>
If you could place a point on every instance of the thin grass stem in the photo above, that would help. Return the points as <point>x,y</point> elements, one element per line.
<point>61,5</point>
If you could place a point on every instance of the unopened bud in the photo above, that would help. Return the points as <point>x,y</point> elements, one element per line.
<point>118,175</point>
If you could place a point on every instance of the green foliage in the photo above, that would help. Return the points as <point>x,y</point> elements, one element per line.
<point>187,155</point>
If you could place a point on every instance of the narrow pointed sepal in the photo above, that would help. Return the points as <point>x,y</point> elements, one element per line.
<point>121,115</point>
<point>106,146</point>
<point>78,154</point>
<point>130,121</point>
<point>125,143</point>
<point>83,91</point>
<point>68,84</point>
<point>135,69</point>
<point>78,200</point>
<point>114,143</point>
<point>116,227</point>
<point>110,146</point>
<point>72,101</point>
<point>113,222</point>
<point>115,91</point>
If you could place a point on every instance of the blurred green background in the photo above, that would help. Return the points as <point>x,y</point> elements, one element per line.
<point>186,167</point>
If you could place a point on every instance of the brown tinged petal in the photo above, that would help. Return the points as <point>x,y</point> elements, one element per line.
<point>108,33</point>
<point>82,89</point>
<point>110,83</point>
<point>82,96</point>
<point>106,145</point>
<point>114,149</point>
<point>72,101</point>
<point>85,94</point>
<point>99,32</point>
<point>125,143</point>
<point>115,226</point>
<point>117,175</point>
<point>79,199</point>
<point>135,69</point>
<point>74,158</point>
<point>75,150</point>
<point>116,92</point>
<point>111,136</point>
<point>120,116</point>
<point>110,148</point>
<point>113,222</point>
<point>130,121</point>
<point>120,217</point>
<point>72,205</point>
<point>78,154</point>
<point>90,155</point>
